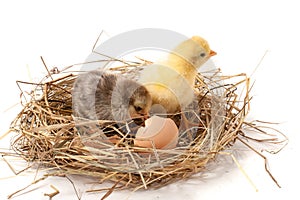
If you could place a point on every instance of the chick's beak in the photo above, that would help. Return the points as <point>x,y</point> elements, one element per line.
<point>141,115</point>
<point>146,116</point>
<point>212,53</point>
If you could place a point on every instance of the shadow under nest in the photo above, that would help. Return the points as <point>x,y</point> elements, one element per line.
<point>49,135</point>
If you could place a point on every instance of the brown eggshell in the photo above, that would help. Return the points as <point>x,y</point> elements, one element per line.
<point>158,131</point>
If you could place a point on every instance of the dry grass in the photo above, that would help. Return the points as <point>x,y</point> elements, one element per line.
<point>48,134</point>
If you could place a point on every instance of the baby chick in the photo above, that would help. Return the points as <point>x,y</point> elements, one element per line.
<point>170,81</point>
<point>98,95</point>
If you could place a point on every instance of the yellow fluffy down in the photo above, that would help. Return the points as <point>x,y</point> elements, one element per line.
<point>170,81</point>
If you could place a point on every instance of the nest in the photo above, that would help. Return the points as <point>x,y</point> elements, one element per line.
<point>49,135</point>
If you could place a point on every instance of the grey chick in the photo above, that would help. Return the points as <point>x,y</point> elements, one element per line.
<point>98,95</point>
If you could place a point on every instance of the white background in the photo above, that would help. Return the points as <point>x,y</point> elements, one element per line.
<point>63,32</point>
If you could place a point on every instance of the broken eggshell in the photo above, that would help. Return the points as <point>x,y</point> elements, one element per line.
<point>161,133</point>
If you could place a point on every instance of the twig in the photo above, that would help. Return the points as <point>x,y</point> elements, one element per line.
<point>241,169</point>
<point>110,191</point>
<point>265,159</point>
<point>74,187</point>
<point>259,63</point>
<point>96,42</point>
<point>51,195</point>
<point>49,74</point>
<point>6,133</point>
<point>137,167</point>
<point>12,169</point>
<point>24,188</point>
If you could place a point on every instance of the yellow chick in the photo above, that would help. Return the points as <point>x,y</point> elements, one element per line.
<point>170,81</point>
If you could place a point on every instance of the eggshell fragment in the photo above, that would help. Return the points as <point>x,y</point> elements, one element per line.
<point>161,133</point>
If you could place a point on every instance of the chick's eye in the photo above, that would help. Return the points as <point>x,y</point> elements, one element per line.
<point>202,54</point>
<point>138,108</point>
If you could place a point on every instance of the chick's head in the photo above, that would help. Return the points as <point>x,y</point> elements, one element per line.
<point>130,100</point>
<point>195,50</point>
<point>140,103</point>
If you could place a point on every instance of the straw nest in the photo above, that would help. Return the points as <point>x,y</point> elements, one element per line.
<point>49,135</point>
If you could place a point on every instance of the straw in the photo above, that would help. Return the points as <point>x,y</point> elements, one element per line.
<point>48,134</point>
